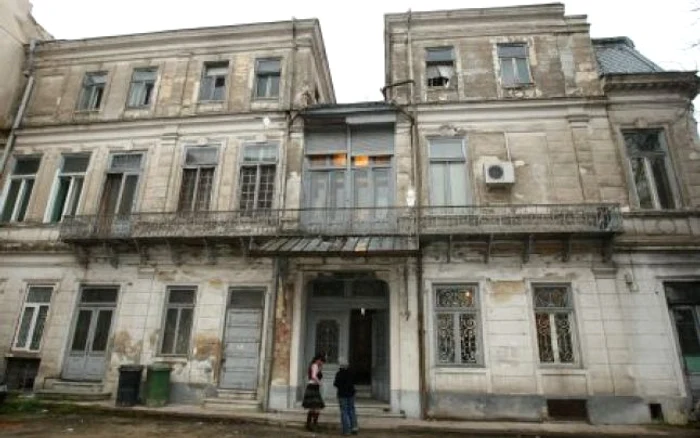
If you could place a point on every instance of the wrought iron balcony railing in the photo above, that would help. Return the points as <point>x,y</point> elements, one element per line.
<point>521,219</point>
<point>391,221</point>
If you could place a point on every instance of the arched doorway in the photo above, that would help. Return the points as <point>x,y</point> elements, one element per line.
<point>348,317</point>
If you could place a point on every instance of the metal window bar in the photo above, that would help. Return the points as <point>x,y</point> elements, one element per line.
<point>554,321</point>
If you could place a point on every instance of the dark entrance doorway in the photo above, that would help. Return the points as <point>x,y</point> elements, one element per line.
<point>361,345</point>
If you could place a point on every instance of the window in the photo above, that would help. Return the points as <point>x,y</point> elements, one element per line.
<point>69,186</point>
<point>650,168</point>
<point>93,91</point>
<point>213,85</point>
<point>439,66</point>
<point>31,325</point>
<point>119,195</point>
<point>515,68</point>
<point>267,78</point>
<point>257,178</point>
<point>143,82</point>
<point>457,328</point>
<point>684,302</point>
<point>177,327</point>
<point>448,173</point>
<point>19,190</point>
<point>197,178</point>
<point>554,322</point>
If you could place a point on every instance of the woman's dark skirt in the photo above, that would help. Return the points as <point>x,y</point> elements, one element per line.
<point>312,397</point>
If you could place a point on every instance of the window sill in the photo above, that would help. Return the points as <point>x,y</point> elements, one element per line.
<point>24,354</point>
<point>523,86</point>
<point>171,359</point>
<point>562,370</point>
<point>87,112</point>
<point>266,99</point>
<point>457,369</point>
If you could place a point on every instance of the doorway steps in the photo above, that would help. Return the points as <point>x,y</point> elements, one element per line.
<point>364,407</point>
<point>57,389</point>
<point>233,400</point>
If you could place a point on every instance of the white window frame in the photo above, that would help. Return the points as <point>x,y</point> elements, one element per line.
<point>573,329</point>
<point>142,84</point>
<point>649,173</point>
<point>207,96</point>
<point>32,327</point>
<point>267,75</point>
<point>198,167</point>
<point>475,311</point>
<point>179,307</point>
<point>71,200</point>
<point>514,63</point>
<point>23,178</point>
<point>91,104</point>
<point>124,173</point>
<point>437,160</point>
<point>257,164</point>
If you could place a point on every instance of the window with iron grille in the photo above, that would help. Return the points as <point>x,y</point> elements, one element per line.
<point>143,82</point>
<point>119,194</point>
<point>213,86</point>
<point>439,67</point>
<point>93,90</point>
<point>198,178</point>
<point>177,322</point>
<point>19,188</point>
<point>554,323</point>
<point>69,187</point>
<point>457,327</point>
<point>267,78</point>
<point>651,168</point>
<point>31,325</point>
<point>257,177</point>
<point>515,66</point>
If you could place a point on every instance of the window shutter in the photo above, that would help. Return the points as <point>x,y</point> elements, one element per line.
<point>325,141</point>
<point>372,140</point>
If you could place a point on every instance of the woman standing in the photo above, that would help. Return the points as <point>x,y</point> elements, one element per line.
<point>312,396</point>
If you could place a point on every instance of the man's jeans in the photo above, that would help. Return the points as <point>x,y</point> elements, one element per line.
<point>348,419</point>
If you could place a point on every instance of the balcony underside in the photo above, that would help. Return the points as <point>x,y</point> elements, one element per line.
<point>338,246</point>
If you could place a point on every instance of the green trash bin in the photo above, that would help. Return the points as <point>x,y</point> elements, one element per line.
<point>158,384</point>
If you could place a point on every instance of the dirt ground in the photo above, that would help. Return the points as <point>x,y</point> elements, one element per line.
<point>83,426</point>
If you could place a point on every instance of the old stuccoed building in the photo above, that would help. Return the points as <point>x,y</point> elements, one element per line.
<point>512,233</point>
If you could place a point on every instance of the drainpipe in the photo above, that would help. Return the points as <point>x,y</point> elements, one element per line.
<point>270,334</point>
<point>22,106</point>
<point>409,54</point>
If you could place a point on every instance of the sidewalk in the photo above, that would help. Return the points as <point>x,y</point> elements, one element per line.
<point>330,423</point>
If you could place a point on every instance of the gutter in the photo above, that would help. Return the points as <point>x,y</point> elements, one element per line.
<point>22,106</point>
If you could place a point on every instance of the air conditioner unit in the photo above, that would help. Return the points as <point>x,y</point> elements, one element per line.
<point>500,173</point>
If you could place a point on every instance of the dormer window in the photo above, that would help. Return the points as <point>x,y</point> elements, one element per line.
<point>439,67</point>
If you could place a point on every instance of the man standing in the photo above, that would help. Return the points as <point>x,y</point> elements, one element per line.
<point>345,383</point>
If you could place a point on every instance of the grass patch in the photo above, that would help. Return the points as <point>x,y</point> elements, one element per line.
<point>22,406</point>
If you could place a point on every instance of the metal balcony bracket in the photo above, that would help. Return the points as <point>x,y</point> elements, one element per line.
<point>607,249</point>
<point>82,253</point>
<point>210,251</point>
<point>112,254</point>
<point>566,255</point>
<point>449,248</point>
<point>175,253</point>
<point>529,246</point>
<point>489,247</point>
<point>144,255</point>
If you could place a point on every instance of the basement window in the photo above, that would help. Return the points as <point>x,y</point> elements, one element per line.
<point>439,67</point>
<point>567,409</point>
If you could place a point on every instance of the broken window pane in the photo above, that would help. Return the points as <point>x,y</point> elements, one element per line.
<point>92,91</point>
<point>213,82</point>
<point>439,66</point>
<point>649,164</point>
<point>142,85</point>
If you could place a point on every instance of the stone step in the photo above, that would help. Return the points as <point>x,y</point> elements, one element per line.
<point>232,404</point>
<point>61,395</point>
<point>372,409</point>
<point>67,386</point>
<point>234,394</point>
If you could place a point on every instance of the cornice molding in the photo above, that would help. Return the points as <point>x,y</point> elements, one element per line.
<point>687,83</point>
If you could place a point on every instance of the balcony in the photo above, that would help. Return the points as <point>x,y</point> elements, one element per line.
<point>587,219</point>
<point>660,229</point>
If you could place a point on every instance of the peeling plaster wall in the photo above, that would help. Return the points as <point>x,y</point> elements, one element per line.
<point>626,349</point>
<point>138,320</point>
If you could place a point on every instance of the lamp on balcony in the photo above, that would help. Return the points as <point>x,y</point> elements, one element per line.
<point>411,197</point>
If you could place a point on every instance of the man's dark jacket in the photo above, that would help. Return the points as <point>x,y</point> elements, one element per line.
<point>345,383</point>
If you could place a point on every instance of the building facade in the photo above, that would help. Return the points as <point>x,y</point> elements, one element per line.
<point>512,233</point>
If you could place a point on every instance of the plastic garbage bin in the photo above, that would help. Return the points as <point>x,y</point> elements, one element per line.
<point>129,384</point>
<point>158,384</point>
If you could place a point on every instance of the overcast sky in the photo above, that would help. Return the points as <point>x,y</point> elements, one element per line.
<point>353,31</point>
